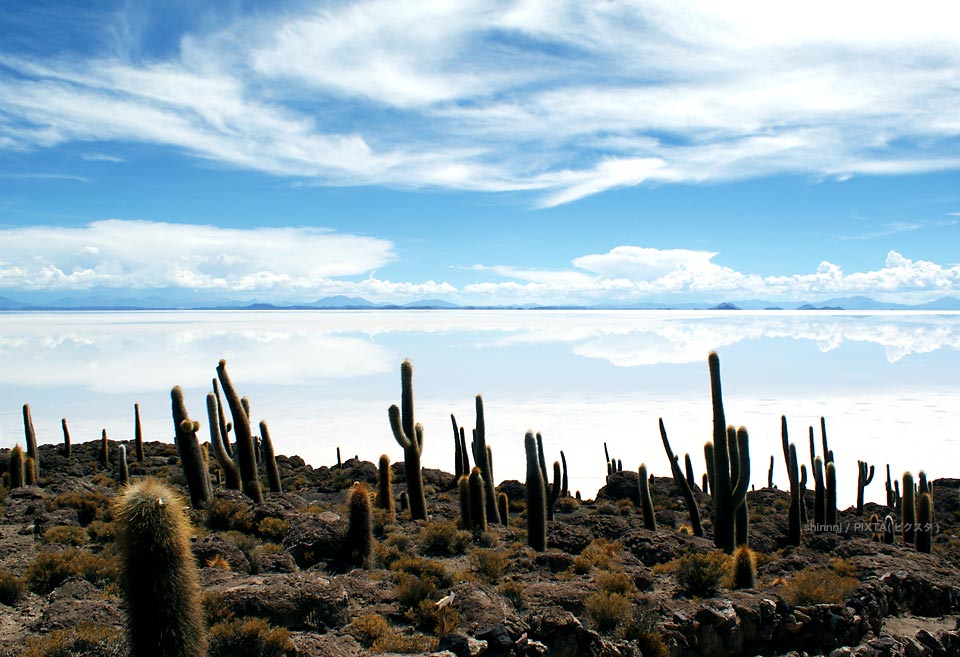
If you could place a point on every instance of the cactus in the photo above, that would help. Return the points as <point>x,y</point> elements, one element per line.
<point>17,468</point>
<point>741,516</point>
<point>770,473</point>
<point>819,494</point>
<point>831,495</point>
<point>744,568</point>
<point>708,456</point>
<point>888,487</point>
<point>404,501</point>
<point>31,437</point>
<point>925,523</point>
<point>803,494</point>
<point>909,514</point>
<point>457,454</point>
<point>67,450</point>
<point>554,491</point>
<point>360,528</point>
<point>466,513</point>
<point>503,508</point>
<point>231,473</point>
<point>680,480</point>
<point>536,497</point>
<point>385,487</point>
<point>688,464</point>
<point>123,474</point>
<point>244,447</point>
<point>409,435</point>
<point>705,484</point>
<point>30,474</point>
<point>565,485</point>
<point>863,480</point>
<point>888,530</point>
<point>339,461</point>
<point>137,433</point>
<point>898,501</point>
<point>224,426</point>
<point>465,455</point>
<point>159,575</point>
<point>269,459</point>
<point>646,502</point>
<point>875,523</point>
<point>478,501</point>
<point>793,534</point>
<point>191,457</point>
<point>827,454</point>
<point>483,458</point>
<point>104,449</point>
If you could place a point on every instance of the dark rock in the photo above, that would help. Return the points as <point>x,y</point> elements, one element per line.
<point>499,641</point>
<point>210,547</point>
<point>455,643</point>
<point>311,539</point>
<point>293,601</point>
<point>621,486</point>
<point>564,635</point>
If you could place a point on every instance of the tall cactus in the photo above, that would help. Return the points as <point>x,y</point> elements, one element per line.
<point>137,433</point>
<point>793,534</point>
<point>30,436</point>
<point>409,435</point>
<point>925,523</point>
<point>191,457</point>
<point>159,575</point>
<point>123,473</point>
<point>483,458</point>
<point>104,450</point>
<point>831,493</point>
<point>536,497</point>
<point>223,424</point>
<point>646,502</point>
<point>231,472</point>
<point>909,514</point>
<point>728,494</point>
<point>681,481</point>
<point>17,468</point>
<point>67,448</point>
<point>565,484</point>
<point>503,508</point>
<point>819,494</point>
<point>241,427</point>
<point>270,459</point>
<point>864,477</point>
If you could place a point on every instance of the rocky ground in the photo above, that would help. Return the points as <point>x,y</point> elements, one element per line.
<point>275,581</point>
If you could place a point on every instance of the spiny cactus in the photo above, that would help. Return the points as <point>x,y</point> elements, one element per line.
<point>466,510</point>
<point>360,527</point>
<point>137,433</point>
<point>554,491</point>
<point>889,531</point>
<point>831,494</point>
<point>409,435</point>
<point>536,497</point>
<point>685,489</point>
<point>646,502</point>
<point>123,474</point>
<point>478,501</point>
<point>875,523</point>
<point>67,449</point>
<point>224,426</point>
<point>888,487</point>
<point>104,450</point>
<point>30,474</point>
<point>925,523</point>
<point>688,468</point>
<point>158,574</point>
<point>705,484</point>
<point>191,457</point>
<point>241,427</point>
<point>483,458</point>
<point>565,485</point>
<point>744,568</point>
<point>31,437</point>
<point>909,510</point>
<point>404,501</point>
<point>709,456</point>
<point>503,507</point>
<point>18,473</point>
<point>269,459</point>
<point>793,534</point>
<point>230,470</point>
<point>385,487</point>
<point>457,453</point>
<point>770,473</point>
<point>864,477</point>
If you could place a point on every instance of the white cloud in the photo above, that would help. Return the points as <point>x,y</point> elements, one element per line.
<point>564,98</point>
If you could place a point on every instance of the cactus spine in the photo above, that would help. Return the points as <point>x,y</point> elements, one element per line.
<point>67,451</point>
<point>483,458</point>
<point>269,459</point>
<point>646,502</point>
<point>123,475</point>
<point>478,512</point>
<point>685,489</point>
<point>31,437</point>
<point>18,473</point>
<point>863,480</point>
<point>191,457</point>
<point>241,427</point>
<point>909,510</point>
<point>409,435</point>
<point>231,473</point>
<point>360,528</point>
<point>159,575</point>
<point>925,523</point>
<point>385,487</point>
<point>536,497</point>
<point>503,507</point>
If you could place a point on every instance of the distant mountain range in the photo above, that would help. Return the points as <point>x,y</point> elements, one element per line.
<point>127,301</point>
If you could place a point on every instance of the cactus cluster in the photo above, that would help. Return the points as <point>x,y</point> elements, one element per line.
<point>246,452</point>
<point>191,456</point>
<point>536,496</point>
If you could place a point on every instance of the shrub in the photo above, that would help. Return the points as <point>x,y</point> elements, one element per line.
<point>512,591</point>
<point>412,590</point>
<point>249,637</point>
<point>488,539</point>
<point>490,564</point>
<point>90,506</point>
<point>607,610</point>
<point>217,561</point>
<point>87,640</point>
<point>443,537</point>
<point>389,551</point>
<point>608,509</point>
<point>614,582</point>
<point>102,532</point>
<point>50,569</point>
<point>699,574</point>
<point>425,568</point>
<point>568,504</point>
<point>368,628</point>
<point>601,553</point>
<point>11,588</point>
<point>66,535</point>
<point>272,528</point>
<point>818,585</point>
<point>394,642</point>
<point>223,515</point>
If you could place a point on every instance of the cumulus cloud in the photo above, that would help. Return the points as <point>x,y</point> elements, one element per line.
<point>563,98</point>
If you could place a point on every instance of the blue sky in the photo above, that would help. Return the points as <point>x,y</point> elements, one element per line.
<point>496,152</point>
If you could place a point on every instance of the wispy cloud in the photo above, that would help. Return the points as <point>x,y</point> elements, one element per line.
<point>564,99</point>
<point>40,175</point>
<point>102,157</point>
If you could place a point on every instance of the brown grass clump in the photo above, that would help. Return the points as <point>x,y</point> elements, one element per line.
<point>11,588</point>
<point>490,564</point>
<point>614,582</point>
<point>818,585</point>
<point>88,640</point>
<point>50,569</point>
<point>700,574</point>
<point>66,535</point>
<point>90,506</point>
<point>607,610</point>
<point>442,537</point>
<point>249,637</point>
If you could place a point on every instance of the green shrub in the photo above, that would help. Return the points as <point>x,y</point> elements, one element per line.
<point>607,610</point>
<point>11,588</point>
<point>490,564</point>
<point>66,535</point>
<point>700,574</point>
<point>249,637</point>
<point>443,537</point>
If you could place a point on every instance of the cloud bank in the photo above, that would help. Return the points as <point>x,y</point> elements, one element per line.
<point>562,98</point>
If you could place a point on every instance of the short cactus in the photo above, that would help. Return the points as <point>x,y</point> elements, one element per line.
<point>409,435</point>
<point>385,487</point>
<point>536,497</point>
<point>565,485</point>
<point>831,494</point>
<point>925,523</point>
<point>17,468</point>
<point>67,451</point>
<point>478,511</point>
<point>31,437</point>
<point>744,568</point>
<point>466,510</point>
<point>360,528</point>
<point>123,473</point>
<point>104,449</point>
<point>646,502</point>
<point>30,474</point>
<point>503,508</point>
<point>159,575</point>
